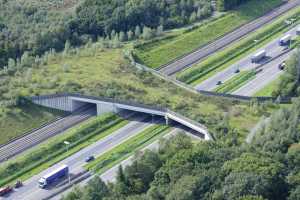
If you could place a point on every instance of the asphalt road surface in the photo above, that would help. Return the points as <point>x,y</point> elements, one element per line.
<point>226,40</point>
<point>110,175</point>
<point>270,72</point>
<point>31,191</point>
<point>20,145</point>
<point>273,49</point>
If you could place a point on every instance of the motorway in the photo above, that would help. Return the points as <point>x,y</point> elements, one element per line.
<point>110,175</point>
<point>273,50</point>
<point>270,72</point>
<point>226,40</point>
<point>31,191</point>
<point>36,137</point>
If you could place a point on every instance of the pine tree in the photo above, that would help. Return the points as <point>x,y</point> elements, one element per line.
<point>130,35</point>
<point>137,31</point>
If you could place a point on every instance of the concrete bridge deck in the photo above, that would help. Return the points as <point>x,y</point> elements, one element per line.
<point>71,102</point>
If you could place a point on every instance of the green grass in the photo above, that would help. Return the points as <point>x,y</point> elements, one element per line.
<point>106,73</point>
<point>127,148</point>
<point>221,60</point>
<point>34,161</point>
<point>157,53</point>
<point>24,118</point>
<point>268,89</point>
<point>236,82</point>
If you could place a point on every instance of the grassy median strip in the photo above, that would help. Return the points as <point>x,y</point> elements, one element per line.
<point>159,52</point>
<point>126,149</point>
<point>236,82</point>
<point>54,150</point>
<point>232,54</point>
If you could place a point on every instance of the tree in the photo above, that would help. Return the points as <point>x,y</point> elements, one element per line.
<point>295,194</point>
<point>122,36</point>
<point>121,187</point>
<point>75,194</point>
<point>67,48</point>
<point>263,167</point>
<point>96,189</point>
<point>159,30</point>
<point>137,31</point>
<point>244,183</point>
<point>130,35</point>
<point>193,17</point>
<point>26,60</point>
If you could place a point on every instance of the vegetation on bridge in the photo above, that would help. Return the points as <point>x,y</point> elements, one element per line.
<point>98,71</point>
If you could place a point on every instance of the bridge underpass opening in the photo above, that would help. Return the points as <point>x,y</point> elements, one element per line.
<point>140,116</point>
<point>80,106</point>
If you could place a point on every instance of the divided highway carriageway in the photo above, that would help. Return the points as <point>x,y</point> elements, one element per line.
<point>196,56</point>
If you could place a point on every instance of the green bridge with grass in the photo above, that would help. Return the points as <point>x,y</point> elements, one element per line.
<point>71,102</point>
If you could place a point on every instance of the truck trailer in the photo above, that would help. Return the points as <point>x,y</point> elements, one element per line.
<point>51,177</point>
<point>5,190</point>
<point>285,40</point>
<point>258,56</point>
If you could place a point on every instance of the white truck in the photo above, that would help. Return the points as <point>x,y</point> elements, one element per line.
<point>258,56</point>
<point>285,40</point>
<point>53,176</point>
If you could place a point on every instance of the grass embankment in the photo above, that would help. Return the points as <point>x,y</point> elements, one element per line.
<point>268,89</point>
<point>24,118</point>
<point>236,82</point>
<point>106,73</point>
<point>54,150</point>
<point>221,60</point>
<point>126,149</point>
<point>181,42</point>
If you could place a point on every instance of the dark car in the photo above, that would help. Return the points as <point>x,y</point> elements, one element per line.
<point>89,159</point>
<point>18,184</point>
<point>219,83</point>
<point>281,66</point>
<point>237,71</point>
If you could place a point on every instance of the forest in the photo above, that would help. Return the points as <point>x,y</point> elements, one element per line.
<point>267,168</point>
<point>38,26</point>
<point>223,5</point>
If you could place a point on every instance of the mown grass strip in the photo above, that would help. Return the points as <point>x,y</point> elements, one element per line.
<point>159,52</point>
<point>236,82</point>
<point>53,151</point>
<point>268,89</point>
<point>126,149</point>
<point>232,54</point>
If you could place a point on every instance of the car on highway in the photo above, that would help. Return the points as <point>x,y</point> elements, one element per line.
<point>237,71</point>
<point>18,184</point>
<point>219,83</point>
<point>89,159</point>
<point>282,65</point>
